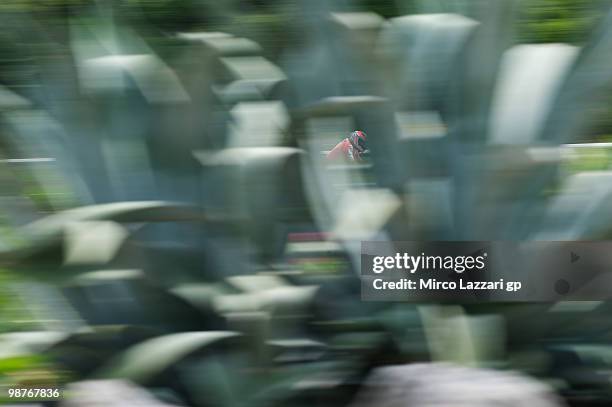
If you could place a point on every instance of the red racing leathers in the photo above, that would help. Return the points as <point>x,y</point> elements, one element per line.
<point>344,150</point>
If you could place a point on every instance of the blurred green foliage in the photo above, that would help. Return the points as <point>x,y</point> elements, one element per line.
<point>590,159</point>
<point>387,9</point>
<point>37,5</point>
<point>14,314</point>
<point>538,20</point>
<point>545,21</point>
<point>27,371</point>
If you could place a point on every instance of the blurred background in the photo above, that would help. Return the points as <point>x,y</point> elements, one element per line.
<point>173,234</point>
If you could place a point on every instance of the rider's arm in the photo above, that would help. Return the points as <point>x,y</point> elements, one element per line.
<point>338,152</point>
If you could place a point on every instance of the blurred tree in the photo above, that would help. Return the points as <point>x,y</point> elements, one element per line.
<point>541,21</point>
